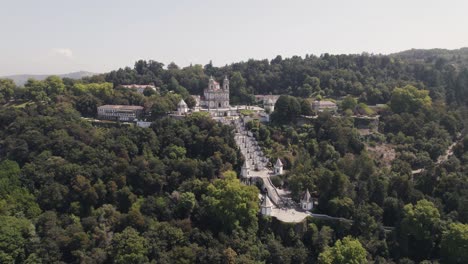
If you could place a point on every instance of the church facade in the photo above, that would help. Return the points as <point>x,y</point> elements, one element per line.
<point>215,96</point>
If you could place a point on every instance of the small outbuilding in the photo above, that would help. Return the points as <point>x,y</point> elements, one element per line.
<point>278,167</point>
<point>267,205</point>
<point>182,107</point>
<point>306,201</point>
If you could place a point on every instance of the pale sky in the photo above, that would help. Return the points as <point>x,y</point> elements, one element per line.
<point>61,36</point>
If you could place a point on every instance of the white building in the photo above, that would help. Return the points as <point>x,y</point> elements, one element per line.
<point>278,167</point>
<point>264,97</point>
<point>306,201</point>
<point>320,106</point>
<point>269,105</point>
<point>143,124</point>
<point>266,206</point>
<point>182,107</point>
<point>214,96</point>
<point>140,88</point>
<point>245,170</point>
<point>119,112</point>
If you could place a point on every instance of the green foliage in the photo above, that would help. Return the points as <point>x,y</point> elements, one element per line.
<point>166,194</point>
<point>7,90</point>
<point>420,229</point>
<point>14,239</point>
<point>363,109</point>
<point>129,247</point>
<point>100,90</point>
<point>349,103</point>
<point>454,244</point>
<point>287,108</point>
<point>9,176</point>
<point>231,205</point>
<point>347,250</point>
<point>409,99</point>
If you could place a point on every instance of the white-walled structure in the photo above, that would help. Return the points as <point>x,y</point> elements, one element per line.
<point>320,106</point>
<point>182,107</point>
<point>215,96</point>
<point>119,112</point>
<point>278,167</point>
<point>266,206</point>
<point>245,170</point>
<point>306,201</point>
<point>269,106</point>
<point>140,88</point>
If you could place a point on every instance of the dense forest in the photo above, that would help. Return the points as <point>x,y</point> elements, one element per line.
<point>76,191</point>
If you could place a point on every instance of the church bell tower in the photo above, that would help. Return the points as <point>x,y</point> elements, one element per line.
<point>226,83</point>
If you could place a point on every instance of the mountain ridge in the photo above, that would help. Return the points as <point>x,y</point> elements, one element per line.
<point>21,79</point>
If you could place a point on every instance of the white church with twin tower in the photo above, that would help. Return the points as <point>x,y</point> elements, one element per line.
<point>215,96</point>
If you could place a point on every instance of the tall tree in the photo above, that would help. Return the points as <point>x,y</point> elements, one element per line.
<point>346,251</point>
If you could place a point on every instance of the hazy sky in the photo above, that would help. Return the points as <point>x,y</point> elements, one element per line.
<point>60,36</point>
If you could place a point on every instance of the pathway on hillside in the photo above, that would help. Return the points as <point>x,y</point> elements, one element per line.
<point>284,208</point>
<point>444,157</point>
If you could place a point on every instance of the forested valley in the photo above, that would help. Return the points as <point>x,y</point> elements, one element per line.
<point>74,191</point>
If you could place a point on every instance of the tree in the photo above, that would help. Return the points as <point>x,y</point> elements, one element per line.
<point>306,108</point>
<point>419,229</point>
<point>129,247</point>
<point>190,101</point>
<point>14,235</point>
<point>186,204</point>
<point>229,204</point>
<point>454,245</point>
<point>54,85</point>
<point>287,108</point>
<point>9,176</point>
<point>409,99</point>
<point>7,89</point>
<point>348,250</point>
<point>87,105</point>
<point>348,103</point>
<point>341,207</point>
<point>238,88</point>
<point>149,91</point>
<point>313,82</point>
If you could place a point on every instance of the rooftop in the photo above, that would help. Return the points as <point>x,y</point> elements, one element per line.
<point>278,163</point>
<point>182,103</point>
<point>306,196</point>
<point>122,107</point>
<point>325,103</point>
<point>136,86</point>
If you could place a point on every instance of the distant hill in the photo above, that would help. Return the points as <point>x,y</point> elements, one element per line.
<point>457,57</point>
<point>426,53</point>
<point>21,79</point>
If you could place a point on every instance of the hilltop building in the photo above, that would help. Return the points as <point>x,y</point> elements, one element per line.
<point>306,201</point>
<point>120,112</point>
<point>266,206</point>
<point>320,106</point>
<point>215,96</point>
<point>269,105</point>
<point>278,167</point>
<point>140,88</point>
<point>182,107</point>
<point>245,170</point>
<point>262,98</point>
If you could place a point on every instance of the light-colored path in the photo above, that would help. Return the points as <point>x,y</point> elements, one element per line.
<point>284,209</point>
<point>444,157</point>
